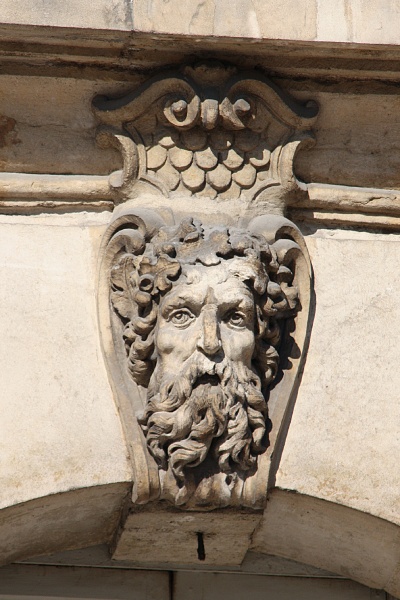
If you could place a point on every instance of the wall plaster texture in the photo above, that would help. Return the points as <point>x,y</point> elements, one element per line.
<point>343,444</point>
<point>59,425</point>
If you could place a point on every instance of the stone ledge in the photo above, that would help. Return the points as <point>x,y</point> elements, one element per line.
<point>120,54</point>
<point>316,20</point>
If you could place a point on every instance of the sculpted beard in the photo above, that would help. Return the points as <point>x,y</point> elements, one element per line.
<point>209,405</point>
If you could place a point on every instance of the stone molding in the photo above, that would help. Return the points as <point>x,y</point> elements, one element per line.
<point>367,208</point>
<point>362,26</point>
<point>289,128</point>
<point>324,203</point>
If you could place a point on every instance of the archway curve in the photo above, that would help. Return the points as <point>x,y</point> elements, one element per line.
<point>331,536</point>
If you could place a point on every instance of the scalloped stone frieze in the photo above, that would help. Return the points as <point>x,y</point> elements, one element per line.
<point>206,131</point>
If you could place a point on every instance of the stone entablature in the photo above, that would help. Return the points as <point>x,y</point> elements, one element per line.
<point>311,20</point>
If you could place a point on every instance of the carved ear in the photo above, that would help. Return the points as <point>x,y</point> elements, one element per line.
<point>291,249</point>
<point>126,236</point>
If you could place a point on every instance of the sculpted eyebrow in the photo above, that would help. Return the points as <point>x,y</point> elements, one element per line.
<point>179,301</point>
<point>244,303</point>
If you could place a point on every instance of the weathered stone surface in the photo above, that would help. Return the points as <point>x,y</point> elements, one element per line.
<point>74,519</point>
<point>253,563</point>
<point>101,14</point>
<point>57,119</point>
<point>206,159</point>
<point>356,141</point>
<point>246,177</point>
<point>312,20</point>
<point>180,158</point>
<point>51,582</point>
<point>196,586</point>
<point>309,20</point>
<point>354,544</point>
<point>220,178</point>
<point>156,157</point>
<point>193,178</point>
<point>151,538</point>
<point>59,425</point>
<point>203,106</point>
<point>61,430</point>
<point>198,313</point>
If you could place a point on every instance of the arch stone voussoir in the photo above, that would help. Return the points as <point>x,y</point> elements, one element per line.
<point>65,521</point>
<point>330,536</point>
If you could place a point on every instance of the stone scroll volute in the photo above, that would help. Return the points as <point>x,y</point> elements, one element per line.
<point>204,286</point>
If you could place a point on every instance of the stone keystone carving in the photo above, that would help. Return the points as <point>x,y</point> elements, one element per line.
<point>207,131</point>
<point>202,319</point>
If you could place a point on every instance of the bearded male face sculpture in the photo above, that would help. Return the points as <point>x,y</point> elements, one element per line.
<point>201,309</point>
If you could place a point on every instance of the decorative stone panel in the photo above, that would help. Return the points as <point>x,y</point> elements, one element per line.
<point>207,131</point>
<point>204,297</point>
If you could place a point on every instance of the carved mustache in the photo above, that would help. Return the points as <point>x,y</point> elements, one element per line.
<point>169,393</point>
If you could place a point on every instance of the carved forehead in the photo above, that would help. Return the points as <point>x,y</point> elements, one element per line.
<point>196,274</point>
<point>237,273</point>
<point>200,285</point>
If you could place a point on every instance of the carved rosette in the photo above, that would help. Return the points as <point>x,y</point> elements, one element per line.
<point>207,132</point>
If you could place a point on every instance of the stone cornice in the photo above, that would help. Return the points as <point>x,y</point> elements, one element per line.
<point>123,52</point>
<point>326,204</point>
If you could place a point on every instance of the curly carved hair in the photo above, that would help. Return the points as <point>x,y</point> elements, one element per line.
<point>143,276</point>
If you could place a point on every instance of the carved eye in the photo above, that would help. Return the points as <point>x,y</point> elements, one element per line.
<point>182,317</point>
<point>236,318</point>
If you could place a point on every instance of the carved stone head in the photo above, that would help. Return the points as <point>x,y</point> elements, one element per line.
<point>201,309</point>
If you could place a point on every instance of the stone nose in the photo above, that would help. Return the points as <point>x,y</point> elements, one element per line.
<point>209,339</point>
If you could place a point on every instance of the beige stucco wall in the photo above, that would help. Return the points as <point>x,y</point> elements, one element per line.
<point>59,426</point>
<point>64,471</point>
<point>343,444</point>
